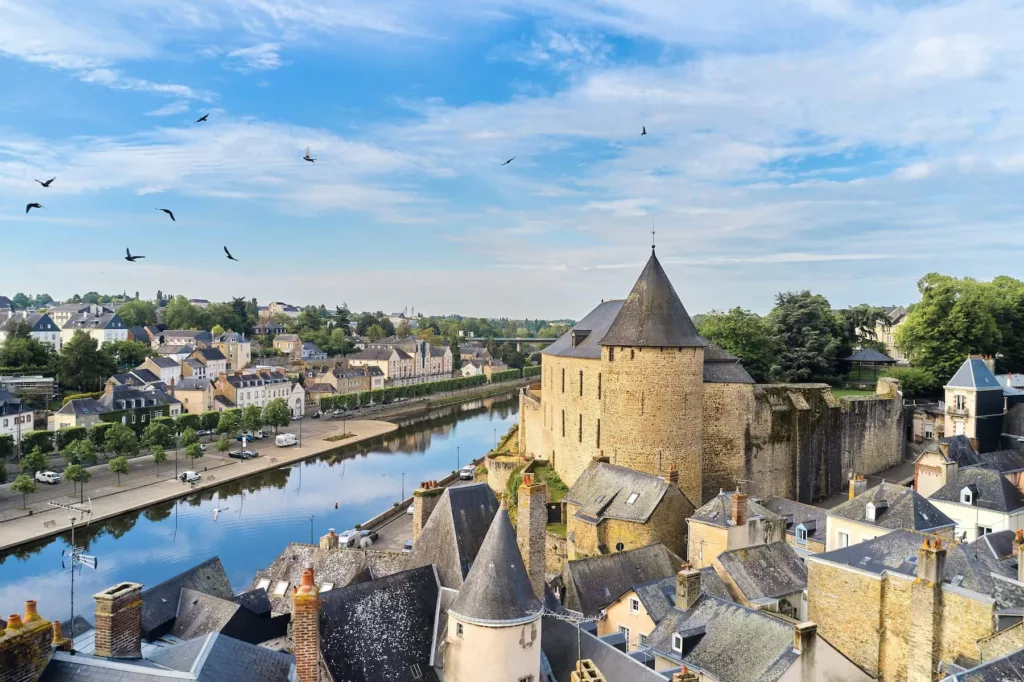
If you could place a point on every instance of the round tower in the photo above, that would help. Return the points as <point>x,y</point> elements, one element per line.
<point>652,362</point>
<point>494,623</point>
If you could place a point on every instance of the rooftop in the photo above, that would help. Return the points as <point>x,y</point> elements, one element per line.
<point>718,511</point>
<point>605,491</point>
<point>765,571</point>
<point>796,513</point>
<point>895,507</point>
<point>594,582</point>
<point>989,489</point>
<point>974,374</point>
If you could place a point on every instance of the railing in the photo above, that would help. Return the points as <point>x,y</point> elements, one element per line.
<point>533,391</point>
<point>957,411</point>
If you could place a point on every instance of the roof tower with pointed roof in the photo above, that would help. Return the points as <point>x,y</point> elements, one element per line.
<point>497,590</point>
<point>653,315</point>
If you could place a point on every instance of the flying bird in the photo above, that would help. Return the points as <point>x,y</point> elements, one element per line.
<point>510,161</point>
<point>33,205</point>
<point>130,258</point>
<point>307,157</point>
<point>230,257</point>
<point>168,212</point>
<point>645,130</point>
<point>47,183</point>
<point>202,119</point>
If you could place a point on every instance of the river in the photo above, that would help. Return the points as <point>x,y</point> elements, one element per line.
<point>262,513</point>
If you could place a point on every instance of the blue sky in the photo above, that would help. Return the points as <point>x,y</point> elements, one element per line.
<point>845,147</point>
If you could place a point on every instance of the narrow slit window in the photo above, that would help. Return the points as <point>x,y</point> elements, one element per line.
<point>563,423</point>
<point>599,433</point>
<point>563,380</point>
<point>611,354</point>
<point>580,436</point>
<point>581,383</point>
<point>643,399</point>
<point>599,386</point>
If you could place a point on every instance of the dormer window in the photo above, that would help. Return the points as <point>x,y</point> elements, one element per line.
<point>801,534</point>
<point>677,643</point>
<point>967,495</point>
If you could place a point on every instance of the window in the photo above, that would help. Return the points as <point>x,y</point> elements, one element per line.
<point>528,678</point>
<point>263,584</point>
<point>632,354</point>
<point>677,643</point>
<point>599,386</point>
<point>563,423</point>
<point>643,400</point>
<point>458,630</point>
<point>143,418</point>
<point>966,495</point>
<point>581,383</point>
<point>327,587</point>
<point>625,633</point>
<point>983,530</point>
<point>579,437</point>
<point>642,640</point>
<point>928,430</point>
<point>632,498</point>
<point>599,433</point>
<point>563,380</point>
<point>844,539</point>
<point>281,587</point>
<point>801,535</point>
<point>634,605</point>
<point>960,401</point>
<point>611,354</point>
<point>416,671</point>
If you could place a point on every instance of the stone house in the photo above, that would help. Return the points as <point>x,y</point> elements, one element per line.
<point>194,369</point>
<point>730,521</point>
<point>255,388</point>
<point>15,417</point>
<point>167,369</point>
<point>197,338</point>
<point>216,363</point>
<point>127,404</point>
<point>290,346</point>
<point>394,363</point>
<point>929,422</point>
<point>883,509</point>
<point>902,604</point>
<point>312,352</point>
<point>420,359</point>
<point>236,348</point>
<point>805,524</point>
<point>981,501</point>
<point>938,461</point>
<point>352,380</point>
<point>769,578</point>
<point>178,353</point>
<point>975,403</point>
<point>105,328</point>
<point>62,313</point>
<point>885,331</point>
<point>196,395</point>
<point>613,509</point>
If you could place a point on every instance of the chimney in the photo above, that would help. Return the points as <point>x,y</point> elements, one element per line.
<point>306,628</point>
<point>687,586</point>
<point>60,642</point>
<point>926,611</point>
<point>424,499</point>
<point>685,675</point>
<point>858,485</point>
<point>586,671</point>
<point>119,621</point>
<point>25,646</point>
<point>931,561</point>
<point>329,541</point>
<point>531,530</point>
<point>805,636</point>
<point>739,508</point>
<point>1018,548</point>
<point>672,476</point>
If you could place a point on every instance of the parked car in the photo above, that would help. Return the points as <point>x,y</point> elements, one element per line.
<point>189,477</point>
<point>204,432</point>
<point>237,454</point>
<point>283,440</point>
<point>348,538</point>
<point>317,415</point>
<point>372,534</point>
<point>466,472</point>
<point>409,510</point>
<point>249,454</point>
<point>407,547</point>
<point>51,477</point>
<point>297,417</point>
<point>202,446</point>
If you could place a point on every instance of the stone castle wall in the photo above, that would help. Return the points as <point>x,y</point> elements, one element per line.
<point>571,420</point>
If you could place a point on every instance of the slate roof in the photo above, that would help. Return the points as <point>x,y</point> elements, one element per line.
<point>897,552</point>
<point>455,531</point>
<point>200,614</point>
<point>192,384</point>
<point>768,571</point>
<point>175,349</point>
<point>991,490</point>
<point>1003,461</point>
<point>560,643</point>
<point>320,388</point>
<point>998,546</point>
<point>497,589</point>
<point>10,403</point>
<point>196,334</point>
<point>108,320</point>
<point>38,322</point>
<point>975,375</point>
<point>256,601</point>
<point>960,450</point>
<point>728,641</point>
<point>870,355</point>
<point>796,513</point>
<point>164,362</point>
<point>374,354</point>
<point>659,596</point>
<point>287,337</point>
<point>376,631</point>
<point>594,582</point>
<point>146,376</point>
<point>653,315</point>
<point>603,491</point>
<point>596,322</point>
<point>160,602</point>
<point>209,354</point>
<point>723,368</point>
<point>231,337</point>
<point>1003,669</point>
<point>718,511</point>
<point>904,508</point>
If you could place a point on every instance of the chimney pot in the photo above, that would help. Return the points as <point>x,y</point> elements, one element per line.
<point>13,622</point>
<point>739,509</point>
<point>527,480</point>
<point>30,611</point>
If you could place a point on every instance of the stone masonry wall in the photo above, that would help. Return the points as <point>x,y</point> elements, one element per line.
<point>119,621</point>
<point>554,553</point>
<point>531,530</point>
<point>847,606</point>
<point>965,620</point>
<point>873,434</point>
<point>726,414</point>
<point>573,447</point>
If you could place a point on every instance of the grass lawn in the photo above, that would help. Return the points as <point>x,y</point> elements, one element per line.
<point>841,392</point>
<point>557,529</point>
<point>556,489</point>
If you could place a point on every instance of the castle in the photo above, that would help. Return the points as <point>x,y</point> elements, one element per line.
<point>633,383</point>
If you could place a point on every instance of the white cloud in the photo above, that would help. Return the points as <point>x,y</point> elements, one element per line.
<point>170,109</point>
<point>262,57</point>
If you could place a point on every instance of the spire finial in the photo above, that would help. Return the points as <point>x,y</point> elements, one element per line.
<point>652,236</point>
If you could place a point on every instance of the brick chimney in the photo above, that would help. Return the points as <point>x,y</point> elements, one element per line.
<point>685,675</point>
<point>306,628</point>
<point>531,530</point>
<point>858,485</point>
<point>739,508</point>
<point>24,646</point>
<point>119,621</point>
<point>424,499</point>
<point>329,541</point>
<point>672,476</point>
<point>926,611</point>
<point>687,586</point>
<point>805,637</point>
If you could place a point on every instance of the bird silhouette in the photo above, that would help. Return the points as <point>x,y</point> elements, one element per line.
<point>202,119</point>
<point>168,212</point>
<point>510,161</point>
<point>130,258</point>
<point>47,183</point>
<point>33,205</point>
<point>230,257</point>
<point>307,157</point>
<point>645,130</point>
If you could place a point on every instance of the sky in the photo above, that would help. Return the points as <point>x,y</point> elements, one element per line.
<point>843,147</point>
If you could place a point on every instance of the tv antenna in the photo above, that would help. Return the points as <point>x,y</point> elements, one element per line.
<point>76,556</point>
<point>576,618</point>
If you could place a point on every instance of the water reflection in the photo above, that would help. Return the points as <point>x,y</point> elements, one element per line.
<point>258,515</point>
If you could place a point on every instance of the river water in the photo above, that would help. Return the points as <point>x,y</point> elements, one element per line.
<point>262,513</point>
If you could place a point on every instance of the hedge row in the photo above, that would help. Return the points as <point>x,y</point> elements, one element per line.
<point>78,396</point>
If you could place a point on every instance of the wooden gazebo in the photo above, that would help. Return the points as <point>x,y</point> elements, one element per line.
<point>867,363</point>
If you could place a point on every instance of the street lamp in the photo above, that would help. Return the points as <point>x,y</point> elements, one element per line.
<point>311,529</point>
<point>458,458</point>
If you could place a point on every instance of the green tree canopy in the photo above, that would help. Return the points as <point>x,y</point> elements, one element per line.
<point>230,421</point>
<point>194,451</point>
<point>19,349</point>
<point>137,313</point>
<point>746,335</point>
<point>217,330</point>
<point>252,418</point>
<point>80,452</point>
<point>181,314</point>
<point>118,465</point>
<point>157,435</point>
<point>375,332</point>
<point>81,365</point>
<point>159,455</point>
<point>809,335</point>
<point>33,462</point>
<point>24,484</point>
<point>126,354</point>
<point>121,440</point>
<point>189,437</point>
<point>276,413</point>
<point>76,473</point>
<point>223,443</point>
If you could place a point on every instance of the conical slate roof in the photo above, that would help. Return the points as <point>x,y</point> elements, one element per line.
<point>653,315</point>
<point>497,589</point>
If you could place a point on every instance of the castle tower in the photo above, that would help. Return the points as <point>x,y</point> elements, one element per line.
<point>494,624</point>
<point>652,362</point>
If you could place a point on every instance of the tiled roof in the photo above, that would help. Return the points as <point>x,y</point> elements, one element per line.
<point>1003,669</point>
<point>765,571</point>
<point>896,507</point>
<point>211,354</point>
<point>287,337</point>
<point>1003,461</point>
<point>562,643</point>
<point>594,582</point>
<point>164,362</point>
<point>870,355</point>
<point>374,354</point>
<point>975,375</point>
<point>596,324</point>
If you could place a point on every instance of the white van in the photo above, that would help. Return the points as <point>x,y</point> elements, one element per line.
<point>285,439</point>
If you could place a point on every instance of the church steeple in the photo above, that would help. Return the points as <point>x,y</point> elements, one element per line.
<point>653,315</point>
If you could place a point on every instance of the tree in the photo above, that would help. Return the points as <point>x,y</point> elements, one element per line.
<point>276,413</point>
<point>98,435</point>
<point>955,318</point>
<point>208,420</point>
<point>309,318</point>
<point>194,452</point>
<point>79,452</point>
<point>78,474</point>
<point>181,314</point>
<point>189,437</point>
<point>229,422</point>
<point>137,313</point>
<point>24,484</point>
<point>364,322</point>
<point>159,455</point>
<point>119,465</point>
<point>189,421</point>
<point>126,354</point>
<point>375,332</point>
<point>19,349</point>
<point>157,435</point>
<point>41,440</point>
<point>858,326</point>
<point>81,365</point>
<point>915,382</point>
<point>20,301</point>
<point>810,338</point>
<point>340,318</point>
<point>403,329</point>
<point>33,462</point>
<point>252,419</point>
<point>217,330</point>
<point>64,437</point>
<point>121,441</point>
<point>223,443</point>
<point>746,335</point>
<point>6,446</point>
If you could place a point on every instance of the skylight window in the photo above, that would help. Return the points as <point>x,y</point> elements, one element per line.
<point>281,588</point>
<point>633,497</point>
<point>263,584</point>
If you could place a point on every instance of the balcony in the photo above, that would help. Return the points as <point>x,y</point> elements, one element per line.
<point>955,411</point>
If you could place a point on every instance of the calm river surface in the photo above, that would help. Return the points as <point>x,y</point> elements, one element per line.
<point>264,512</point>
